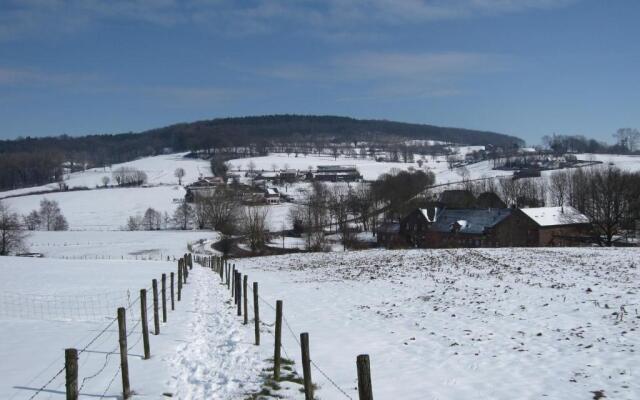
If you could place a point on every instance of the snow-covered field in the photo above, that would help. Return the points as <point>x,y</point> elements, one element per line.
<point>137,245</point>
<point>438,324</point>
<point>49,305</point>
<point>103,209</point>
<point>463,324</point>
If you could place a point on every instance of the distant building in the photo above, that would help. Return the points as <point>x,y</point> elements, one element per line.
<point>272,196</point>
<point>289,175</point>
<point>388,235</point>
<point>205,186</point>
<point>556,226</point>
<point>495,227</point>
<point>416,224</point>
<point>337,173</point>
<point>473,228</point>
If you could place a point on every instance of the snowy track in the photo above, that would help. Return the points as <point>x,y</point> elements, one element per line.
<point>217,360</point>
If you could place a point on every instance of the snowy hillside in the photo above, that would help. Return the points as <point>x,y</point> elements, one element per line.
<point>159,169</point>
<point>370,169</point>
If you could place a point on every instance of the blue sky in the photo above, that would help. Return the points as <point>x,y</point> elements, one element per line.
<point>523,67</point>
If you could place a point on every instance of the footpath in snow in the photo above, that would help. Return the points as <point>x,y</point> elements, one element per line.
<point>216,359</point>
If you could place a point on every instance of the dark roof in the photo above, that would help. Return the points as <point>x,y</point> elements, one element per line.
<point>470,221</point>
<point>457,199</point>
<point>489,200</point>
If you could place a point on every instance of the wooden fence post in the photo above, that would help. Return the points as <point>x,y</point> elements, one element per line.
<point>164,298</point>
<point>145,324</point>
<point>256,313</point>
<point>71,371</point>
<point>122,341</point>
<point>156,317</point>
<point>233,284</point>
<point>185,271</point>
<point>179,284</point>
<point>364,377</point>
<point>278,341</point>
<point>239,292</point>
<point>306,366</point>
<point>220,269</point>
<point>173,306</point>
<point>244,294</point>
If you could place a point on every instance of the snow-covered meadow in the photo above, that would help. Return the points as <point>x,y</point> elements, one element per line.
<point>461,324</point>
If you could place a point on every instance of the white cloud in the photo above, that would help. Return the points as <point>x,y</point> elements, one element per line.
<point>328,18</point>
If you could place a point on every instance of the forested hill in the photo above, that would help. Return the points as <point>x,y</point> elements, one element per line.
<point>239,131</point>
<point>251,130</point>
<point>30,161</point>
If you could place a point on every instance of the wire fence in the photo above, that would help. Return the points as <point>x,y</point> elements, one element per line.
<point>88,307</point>
<point>297,340</point>
<point>91,307</point>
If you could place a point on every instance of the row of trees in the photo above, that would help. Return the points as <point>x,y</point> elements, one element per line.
<point>153,220</point>
<point>48,218</point>
<point>610,197</point>
<point>129,176</point>
<point>13,227</point>
<point>337,208</point>
<point>627,141</point>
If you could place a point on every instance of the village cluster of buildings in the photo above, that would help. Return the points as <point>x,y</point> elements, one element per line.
<point>476,225</point>
<point>259,192</point>
<point>322,173</point>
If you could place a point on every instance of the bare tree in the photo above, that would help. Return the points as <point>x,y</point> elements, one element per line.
<point>219,210</point>
<point>32,221</point>
<point>629,138</point>
<point>12,234</point>
<point>603,195</point>
<point>179,173</point>
<point>183,215</point>
<point>105,181</point>
<point>152,220</point>
<point>254,226</point>
<point>129,176</point>
<point>559,186</point>
<point>51,217</point>
<point>134,223</point>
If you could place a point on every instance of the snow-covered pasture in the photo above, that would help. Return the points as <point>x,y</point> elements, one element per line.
<point>56,304</point>
<point>463,324</point>
<point>103,209</point>
<point>47,305</point>
<point>116,245</point>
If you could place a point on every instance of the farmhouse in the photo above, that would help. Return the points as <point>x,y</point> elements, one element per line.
<point>494,227</point>
<point>271,196</point>
<point>556,226</point>
<point>388,235</point>
<point>204,186</point>
<point>474,228</point>
<point>337,173</point>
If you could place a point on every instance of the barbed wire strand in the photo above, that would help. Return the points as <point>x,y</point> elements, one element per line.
<point>290,329</point>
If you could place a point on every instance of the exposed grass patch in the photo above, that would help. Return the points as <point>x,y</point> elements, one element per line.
<point>282,388</point>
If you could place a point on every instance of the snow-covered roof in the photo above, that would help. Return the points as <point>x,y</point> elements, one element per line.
<point>552,216</point>
<point>425,213</point>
